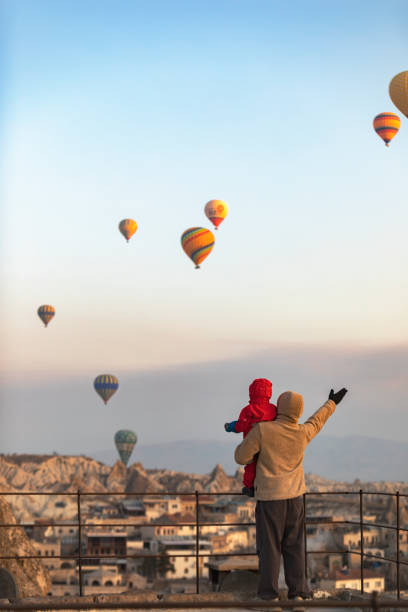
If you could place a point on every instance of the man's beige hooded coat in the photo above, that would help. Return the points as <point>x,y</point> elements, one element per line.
<point>281,446</point>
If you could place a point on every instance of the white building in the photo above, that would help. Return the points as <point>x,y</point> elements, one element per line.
<point>350,579</point>
<point>185,566</point>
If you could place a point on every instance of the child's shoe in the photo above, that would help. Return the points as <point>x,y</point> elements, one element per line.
<point>250,491</point>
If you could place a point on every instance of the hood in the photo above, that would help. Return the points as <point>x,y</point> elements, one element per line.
<point>290,405</point>
<point>260,390</point>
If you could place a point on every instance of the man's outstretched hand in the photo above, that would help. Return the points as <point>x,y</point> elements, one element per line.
<point>338,396</point>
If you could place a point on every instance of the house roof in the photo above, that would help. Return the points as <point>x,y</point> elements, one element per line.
<point>353,574</point>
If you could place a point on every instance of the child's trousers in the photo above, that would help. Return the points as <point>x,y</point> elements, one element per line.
<point>249,474</point>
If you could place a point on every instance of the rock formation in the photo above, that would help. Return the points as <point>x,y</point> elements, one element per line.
<point>59,473</point>
<point>30,576</point>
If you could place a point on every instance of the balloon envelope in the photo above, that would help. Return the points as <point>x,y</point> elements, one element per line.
<point>106,385</point>
<point>197,243</point>
<point>125,441</point>
<point>399,91</point>
<point>386,125</point>
<point>46,313</point>
<point>216,211</point>
<point>127,227</point>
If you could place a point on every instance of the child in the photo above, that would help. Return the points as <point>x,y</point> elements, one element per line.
<point>258,409</point>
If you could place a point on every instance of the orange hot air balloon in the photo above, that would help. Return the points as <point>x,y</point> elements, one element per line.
<point>46,313</point>
<point>197,243</point>
<point>386,125</point>
<point>216,211</point>
<point>399,91</point>
<point>127,227</point>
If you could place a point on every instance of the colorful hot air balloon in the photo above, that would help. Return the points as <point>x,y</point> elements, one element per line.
<point>197,243</point>
<point>399,91</point>
<point>216,211</point>
<point>125,441</point>
<point>127,227</point>
<point>386,125</point>
<point>46,313</point>
<point>105,386</point>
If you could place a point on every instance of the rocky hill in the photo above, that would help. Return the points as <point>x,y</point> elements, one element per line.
<point>59,473</point>
<point>30,576</point>
<point>63,474</point>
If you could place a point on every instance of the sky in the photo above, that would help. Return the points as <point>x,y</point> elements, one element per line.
<point>148,109</point>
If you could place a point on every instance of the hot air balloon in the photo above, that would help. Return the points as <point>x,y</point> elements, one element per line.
<point>399,91</point>
<point>125,441</point>
<point>105,386</point>
<point>386,125</point>
<point>197,243</point>
<point>46,313</point>
<point>127,227</point>
<point>216,211</point>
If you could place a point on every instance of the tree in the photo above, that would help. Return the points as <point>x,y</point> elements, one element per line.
<point>153,567</point>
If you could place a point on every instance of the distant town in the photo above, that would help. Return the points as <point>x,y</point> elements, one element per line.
<point>148,538</point>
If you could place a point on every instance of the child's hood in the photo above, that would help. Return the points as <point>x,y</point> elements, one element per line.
<point>260,392</point>
<point>260,389</point>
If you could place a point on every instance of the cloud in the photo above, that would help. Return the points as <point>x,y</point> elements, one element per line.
<point>194,401</point>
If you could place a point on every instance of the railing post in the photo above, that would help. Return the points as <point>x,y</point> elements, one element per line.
<point>374,601</point>
<point>398,546</point>
<point>304,533</point>
<point>361,543</point>
<point>79,542</point>
<point>197,546</point>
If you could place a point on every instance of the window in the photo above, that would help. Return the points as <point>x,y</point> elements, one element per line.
<point>378,583</point>
<point>366,584</point>
<point>186,570</point>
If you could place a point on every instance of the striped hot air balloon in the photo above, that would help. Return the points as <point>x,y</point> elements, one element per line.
<point>106,385</point>
<point>386,125</point>
<point>127,227</point>
<point>125,441</point>
<point>216,211</point>
<point>46,313</point>
<point>399,91</point>
<point>197,243</point>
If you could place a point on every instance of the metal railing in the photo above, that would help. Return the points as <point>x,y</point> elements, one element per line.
<point>198,524</point>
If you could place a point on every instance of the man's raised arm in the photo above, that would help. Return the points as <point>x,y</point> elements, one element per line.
<point>315,423</point>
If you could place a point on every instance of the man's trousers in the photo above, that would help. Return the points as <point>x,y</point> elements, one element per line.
<point>280,531</point>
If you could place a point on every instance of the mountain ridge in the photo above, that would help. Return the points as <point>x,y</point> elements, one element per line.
<point>334,458</point>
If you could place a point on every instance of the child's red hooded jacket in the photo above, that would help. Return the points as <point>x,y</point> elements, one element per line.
<point>259,407</point>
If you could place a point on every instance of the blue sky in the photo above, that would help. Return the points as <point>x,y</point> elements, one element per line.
<point>148,110</point>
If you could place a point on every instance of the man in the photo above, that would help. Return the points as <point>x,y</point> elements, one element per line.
<point>279,488</point>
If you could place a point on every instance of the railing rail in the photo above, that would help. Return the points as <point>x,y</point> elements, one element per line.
<point>198,524</point>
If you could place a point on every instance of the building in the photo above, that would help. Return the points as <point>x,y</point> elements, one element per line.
<point>371,537</point>
<point>106,543</point>
<point>50,548</point>
<point>350,579</point>
<point>131,507</point>
<point>185,566</point>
